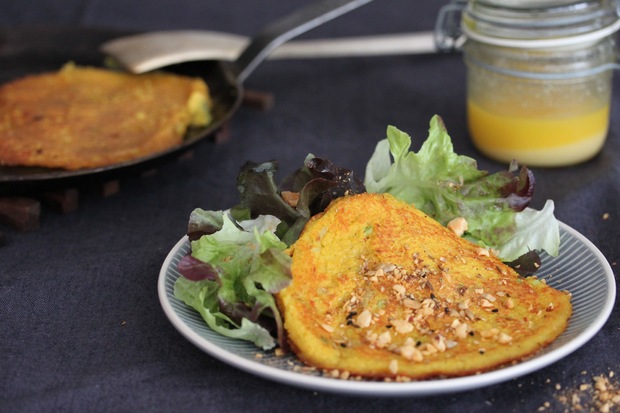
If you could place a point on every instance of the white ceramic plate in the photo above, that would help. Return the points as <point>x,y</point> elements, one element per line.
<point>580,268</point>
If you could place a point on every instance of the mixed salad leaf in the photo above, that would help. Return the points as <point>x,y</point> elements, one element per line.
<point>445,186</point>
<point>231,276</point>
<point>238,257</point>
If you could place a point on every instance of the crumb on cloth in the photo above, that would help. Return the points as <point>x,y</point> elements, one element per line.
<point>601,394</point>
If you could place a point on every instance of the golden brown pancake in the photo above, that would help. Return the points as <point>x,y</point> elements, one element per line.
<point>84,117</point>
<point>381,290</point>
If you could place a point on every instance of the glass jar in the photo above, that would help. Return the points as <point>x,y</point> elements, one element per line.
<point>539,78</point>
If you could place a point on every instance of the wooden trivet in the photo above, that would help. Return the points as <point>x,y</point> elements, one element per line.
<point>20,212</point>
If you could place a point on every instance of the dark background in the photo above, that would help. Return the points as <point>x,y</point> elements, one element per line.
<point>81,328</point>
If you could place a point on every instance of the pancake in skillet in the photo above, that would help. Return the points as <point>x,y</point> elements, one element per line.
<point>381,290</point>
<point>85,117</point>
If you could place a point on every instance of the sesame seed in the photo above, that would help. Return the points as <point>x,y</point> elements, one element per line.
<point>327,328</point>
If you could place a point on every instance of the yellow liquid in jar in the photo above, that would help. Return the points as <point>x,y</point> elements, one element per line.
<point>537,141</point>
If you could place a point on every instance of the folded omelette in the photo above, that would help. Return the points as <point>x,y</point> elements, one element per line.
<point>381,290</point>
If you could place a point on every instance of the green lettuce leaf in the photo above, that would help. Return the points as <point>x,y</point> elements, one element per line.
<point>202,296</point>
<point>536,230</point>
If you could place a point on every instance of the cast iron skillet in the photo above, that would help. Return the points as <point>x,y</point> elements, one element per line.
<point>41,50</point>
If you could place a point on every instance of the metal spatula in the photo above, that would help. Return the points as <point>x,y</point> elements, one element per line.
<point>144,52</point>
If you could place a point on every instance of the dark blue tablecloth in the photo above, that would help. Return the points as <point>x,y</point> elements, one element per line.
<point>81,327</point>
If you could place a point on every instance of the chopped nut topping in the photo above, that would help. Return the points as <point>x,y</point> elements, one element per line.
<point>464,305</point>
<point>413,304</point>
<point>410,313</point>
<point>363,320</point>
<point>411,353</point>
<point>484,303</point>
<point>461,330</point>
<point>458,226</point>
<point>428,303</point>
<point>399,289</point>
<point>291,198</point>
<point>504,338</point>
<point>469,314</point>
<point>439,342</point>
<point>427,349</point>
<point>383,339</point>
<point>483,252</point>
<point>402,326</point>
<point>489,333</point>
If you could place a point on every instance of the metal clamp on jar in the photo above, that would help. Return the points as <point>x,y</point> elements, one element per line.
<point>539,75</point>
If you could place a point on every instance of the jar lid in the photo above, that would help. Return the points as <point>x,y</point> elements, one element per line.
<point>539,23</point>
